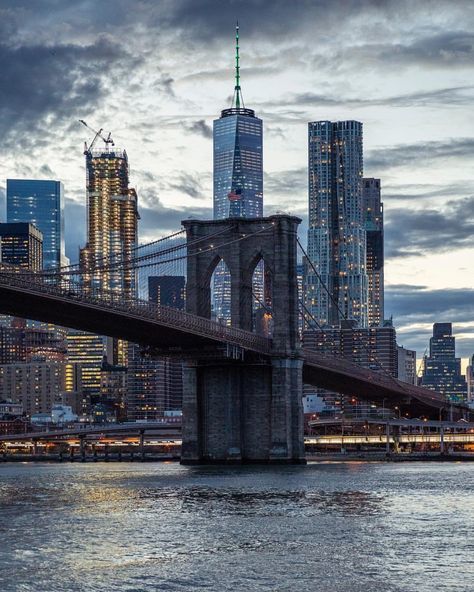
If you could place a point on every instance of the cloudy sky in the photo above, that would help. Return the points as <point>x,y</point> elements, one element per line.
<point>157,72</point>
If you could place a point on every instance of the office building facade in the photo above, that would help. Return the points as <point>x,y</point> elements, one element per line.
<point>441,369</point>
<point>37,386</point>
<point>22,343</point>
<point>22,245</point>
<point>89,351</point>
<point>407,365</point>
<point>167,290</point>
<point>41,203</point>
<point>336,234</point>
<point>369,347</point>
<point>154,385</point>
<point>470,382</point>
<point>373,214</point>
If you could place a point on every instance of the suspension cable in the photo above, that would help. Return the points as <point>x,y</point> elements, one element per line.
<point>127,264</point>
<point>344,316</point>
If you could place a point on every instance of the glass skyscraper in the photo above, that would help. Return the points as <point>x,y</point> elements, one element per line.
<point>41,203</point>
<point>442,370</point>
<point>373,212</point>
<point>336,234</point>
<point>238,176</point>
<point>238,164</point>
<point>22,245</point>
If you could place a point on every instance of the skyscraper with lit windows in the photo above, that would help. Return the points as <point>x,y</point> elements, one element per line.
<point>112,221</point>
<point>238,176</point>
<point>22,245</point>
<point>40,203</point>
<point>373,212</point>
<point>336,234</point>
<point>112,229</point>
<point>441,369</point>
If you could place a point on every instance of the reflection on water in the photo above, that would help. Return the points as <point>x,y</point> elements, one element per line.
<point>273,502</point>
<point>153,527</point>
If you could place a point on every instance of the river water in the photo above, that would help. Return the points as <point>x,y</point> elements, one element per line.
<point>342,527</point>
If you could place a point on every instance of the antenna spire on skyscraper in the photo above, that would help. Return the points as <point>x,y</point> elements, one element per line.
<point>238,99</point>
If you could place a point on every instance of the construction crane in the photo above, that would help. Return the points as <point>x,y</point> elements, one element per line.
<point>98,134</point>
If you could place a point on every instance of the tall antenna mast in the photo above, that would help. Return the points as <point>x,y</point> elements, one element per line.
<point>237,91</point>
<point>237,67</point>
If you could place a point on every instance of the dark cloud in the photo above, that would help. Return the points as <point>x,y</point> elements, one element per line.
<point>46,171</point>
<point>445,49</point>
<point>419,192</point>
<point>160,221</point>
<point>187,183</point>
<point>421,304</point>
<point>423,153</point>
<point>282,19</point>
<point>418,232</point>
<point>290,182</point>
<point>41,86</point>
<point>416,308</point>
<point>199,127</point>
<point>453,96</point>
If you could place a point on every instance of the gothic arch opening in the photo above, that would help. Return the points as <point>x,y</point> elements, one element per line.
<point>220,292</point>
<point>262,288</point>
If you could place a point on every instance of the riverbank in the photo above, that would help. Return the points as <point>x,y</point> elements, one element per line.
<point>400,457</point>
<point>55,458</point>
<point>312,458</point>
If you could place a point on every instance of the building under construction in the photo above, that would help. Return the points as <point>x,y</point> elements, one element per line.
<point>112,218</point>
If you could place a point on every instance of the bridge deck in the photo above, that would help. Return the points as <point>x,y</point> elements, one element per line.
<point>30,296</point>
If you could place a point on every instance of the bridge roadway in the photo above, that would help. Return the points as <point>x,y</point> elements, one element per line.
<point>459,432</point>
<point>401,423</point>
<point>160,430</point>
<point>176,332</point>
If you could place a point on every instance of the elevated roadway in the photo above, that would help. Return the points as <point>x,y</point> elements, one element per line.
<point>176,332</point>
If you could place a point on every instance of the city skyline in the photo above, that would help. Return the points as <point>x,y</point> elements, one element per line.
<point>418,135</point>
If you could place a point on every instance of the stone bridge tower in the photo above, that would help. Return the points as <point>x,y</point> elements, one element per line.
<point>245,407</point>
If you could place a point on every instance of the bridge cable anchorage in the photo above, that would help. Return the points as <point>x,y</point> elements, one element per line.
<point>344,316</point>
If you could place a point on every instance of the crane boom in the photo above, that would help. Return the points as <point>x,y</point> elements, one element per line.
<point>98,134</point>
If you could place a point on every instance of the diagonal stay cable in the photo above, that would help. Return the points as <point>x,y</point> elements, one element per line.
<point>336,304</point>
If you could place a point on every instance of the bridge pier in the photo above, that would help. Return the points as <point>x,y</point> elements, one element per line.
<point>237,412</point>
<point>247,410</point>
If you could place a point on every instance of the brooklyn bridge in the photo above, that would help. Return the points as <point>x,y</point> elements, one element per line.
<point>242,398</point>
